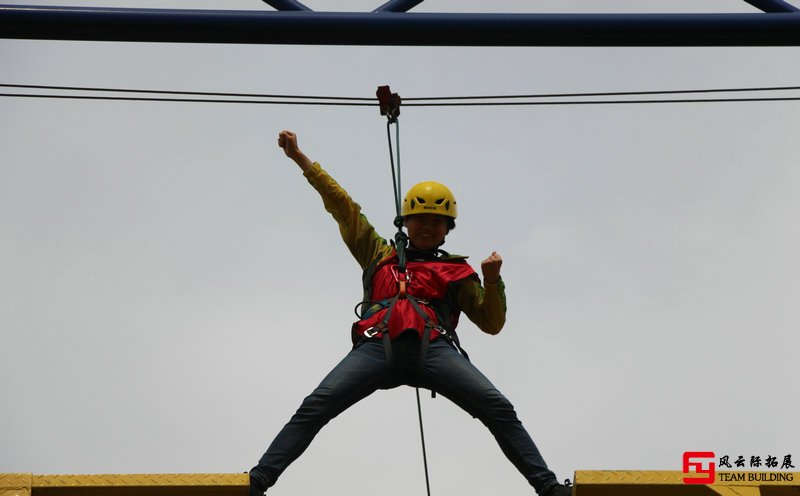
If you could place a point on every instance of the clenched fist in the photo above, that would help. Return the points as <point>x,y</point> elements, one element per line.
<point>288,141</point>
<point>491,268</point>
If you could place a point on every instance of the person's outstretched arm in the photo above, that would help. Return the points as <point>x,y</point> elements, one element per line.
<point>358,234</point>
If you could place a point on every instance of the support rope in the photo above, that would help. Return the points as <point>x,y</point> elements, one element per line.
<point>424,453</point>
<point>395,168</point>
<point>401,242</point>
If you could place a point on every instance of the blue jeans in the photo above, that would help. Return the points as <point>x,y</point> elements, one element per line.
<point>364,370</point>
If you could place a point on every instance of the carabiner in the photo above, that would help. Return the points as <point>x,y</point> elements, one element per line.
<point>403,281</point>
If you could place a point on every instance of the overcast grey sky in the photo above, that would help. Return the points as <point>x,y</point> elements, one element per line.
<point>172,287</point>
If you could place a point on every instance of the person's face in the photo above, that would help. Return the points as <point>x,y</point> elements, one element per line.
<point>426,231</point>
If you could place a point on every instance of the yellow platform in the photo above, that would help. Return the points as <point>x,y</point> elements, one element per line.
<point>124,485</point>
<point>587,483</point>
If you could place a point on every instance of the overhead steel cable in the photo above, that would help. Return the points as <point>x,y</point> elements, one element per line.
<point>440,104</point>
<point>607,93</point>
<point>601,102</point>
<point>444,101</point>
<point>187,100</point>
<point>189,93</point>
<point>372,99</point>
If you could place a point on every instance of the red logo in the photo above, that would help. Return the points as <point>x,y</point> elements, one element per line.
<point>696,467</point>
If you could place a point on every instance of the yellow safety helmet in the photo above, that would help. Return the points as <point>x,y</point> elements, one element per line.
<point>430,197</point>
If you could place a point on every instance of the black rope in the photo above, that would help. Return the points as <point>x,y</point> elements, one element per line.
<point>401,243</point>
<point>395,174</point>
<point>424,453</point>
<point>400,238</point>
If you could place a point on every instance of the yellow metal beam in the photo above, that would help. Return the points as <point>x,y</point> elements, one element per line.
<point>587,483</point>
<point>737,491</point>
<point>140,484</point>
<point>15,484</point>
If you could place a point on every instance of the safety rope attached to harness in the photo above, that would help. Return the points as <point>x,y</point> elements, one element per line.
<point>390,107</point>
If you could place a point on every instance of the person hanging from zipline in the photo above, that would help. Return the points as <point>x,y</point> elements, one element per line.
<point>406,332</point>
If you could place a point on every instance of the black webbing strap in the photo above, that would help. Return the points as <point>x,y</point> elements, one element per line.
<point>426,333</point>
<point>383,328</point>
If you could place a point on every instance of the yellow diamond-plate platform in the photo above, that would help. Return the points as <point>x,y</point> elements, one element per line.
<point>124,485</point>
<point>15,484</point>
<point>670,483</point>
<point>587,483</point>
<point>140,480</point>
